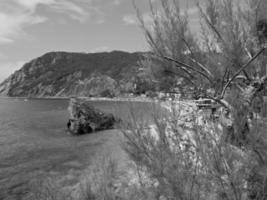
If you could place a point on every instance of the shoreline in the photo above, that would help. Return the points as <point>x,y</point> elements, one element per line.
<point>166,103</point>
<point>119,99</point>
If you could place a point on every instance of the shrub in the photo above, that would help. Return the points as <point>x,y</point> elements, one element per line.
<point>189,161</point>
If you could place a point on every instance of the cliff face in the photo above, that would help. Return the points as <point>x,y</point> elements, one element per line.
<point>74,74</point>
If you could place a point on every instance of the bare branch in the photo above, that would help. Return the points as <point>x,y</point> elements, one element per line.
<point>217,33</point>
<point>240,70</point>
<point>181,67</point>
<point>145,29</point>
<point>248,53</point>
<point>188,67</point>
<point>193,59</point>
<point>210,23</point>
<point>222,102</point>
<point>225,75</point>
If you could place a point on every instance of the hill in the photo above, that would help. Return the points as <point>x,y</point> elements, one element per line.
<point>63,74</point>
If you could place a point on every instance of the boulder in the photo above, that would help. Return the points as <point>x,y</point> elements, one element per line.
<point>84,118</point>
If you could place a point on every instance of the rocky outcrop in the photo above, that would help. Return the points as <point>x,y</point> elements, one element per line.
<point>84,118</point>
<point>65,74</point>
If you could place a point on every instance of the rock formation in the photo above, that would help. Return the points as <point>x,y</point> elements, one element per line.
<point>84,118</point>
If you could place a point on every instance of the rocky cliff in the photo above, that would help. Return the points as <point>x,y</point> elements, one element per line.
<point>74,74</point>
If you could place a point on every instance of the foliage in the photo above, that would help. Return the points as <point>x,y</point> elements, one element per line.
<point>229,44</point>
<point>222,159</point>
<point>67,74</point>
<point>197,162</point>
<point>166,35</point>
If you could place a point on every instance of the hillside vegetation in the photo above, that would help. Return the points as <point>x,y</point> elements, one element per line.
<point>74,74</point>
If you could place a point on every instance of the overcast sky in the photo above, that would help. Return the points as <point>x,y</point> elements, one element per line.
<point>30,28</point>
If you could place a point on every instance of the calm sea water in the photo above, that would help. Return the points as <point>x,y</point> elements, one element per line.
<point>34,143</point>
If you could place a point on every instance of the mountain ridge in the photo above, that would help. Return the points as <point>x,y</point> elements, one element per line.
<point>64,74</point>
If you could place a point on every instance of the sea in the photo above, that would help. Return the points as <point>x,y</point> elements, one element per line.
<point>35,144</point>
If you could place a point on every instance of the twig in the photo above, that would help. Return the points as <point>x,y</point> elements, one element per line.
<point>240,70</point>
<point>220,101</point>
<point>212,26</point>
<point>210,23</point>
<point>188,66</point>
<point>178,65</point>
<point>194,59</point>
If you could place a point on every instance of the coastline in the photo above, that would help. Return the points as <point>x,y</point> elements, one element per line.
<point>168,104</point>
<point>119,99</point>
<point>122,99</point>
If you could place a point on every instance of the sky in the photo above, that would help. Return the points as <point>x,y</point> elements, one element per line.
<point>31,28</point>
